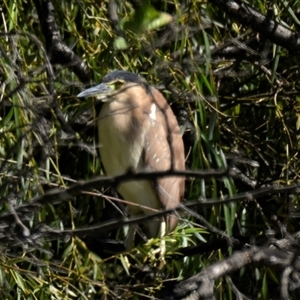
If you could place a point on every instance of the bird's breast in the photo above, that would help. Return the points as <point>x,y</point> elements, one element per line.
<point>121,141</point>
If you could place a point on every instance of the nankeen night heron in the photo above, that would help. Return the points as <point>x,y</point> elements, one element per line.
<point>138,131</point>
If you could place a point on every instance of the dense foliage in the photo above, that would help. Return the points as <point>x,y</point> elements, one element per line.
<point>235,92</point>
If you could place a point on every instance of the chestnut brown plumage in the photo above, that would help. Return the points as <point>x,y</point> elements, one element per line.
<point>138,131</point>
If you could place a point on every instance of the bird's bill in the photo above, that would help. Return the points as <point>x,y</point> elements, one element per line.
<point>101,90</point>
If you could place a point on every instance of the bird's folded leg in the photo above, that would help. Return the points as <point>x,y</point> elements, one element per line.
<point>129,241</point>
<point>162,234</point>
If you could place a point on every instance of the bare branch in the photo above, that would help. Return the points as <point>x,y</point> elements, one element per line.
<point>203,282</point>
<point>273,30</point>
<point>58,51</point>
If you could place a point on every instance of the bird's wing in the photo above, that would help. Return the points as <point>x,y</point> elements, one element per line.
<point>164,150</point>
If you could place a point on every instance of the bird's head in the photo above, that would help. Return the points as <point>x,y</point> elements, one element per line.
<point>112,84</point>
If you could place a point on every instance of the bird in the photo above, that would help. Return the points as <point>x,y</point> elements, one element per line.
<point>139,132</point>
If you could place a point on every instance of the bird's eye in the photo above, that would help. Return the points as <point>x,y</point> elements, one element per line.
<point>116,85</point>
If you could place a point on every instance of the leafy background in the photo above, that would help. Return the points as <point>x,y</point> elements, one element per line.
<point>235,94</point>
